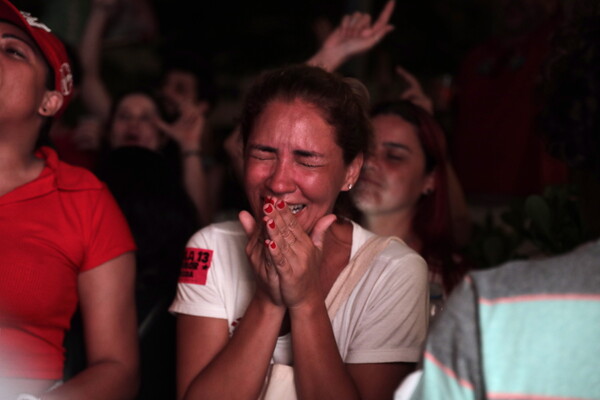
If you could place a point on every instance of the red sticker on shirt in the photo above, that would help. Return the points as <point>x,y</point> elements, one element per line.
<point>195,266</point>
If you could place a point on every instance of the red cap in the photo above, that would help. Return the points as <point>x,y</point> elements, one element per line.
<point>51,47</point>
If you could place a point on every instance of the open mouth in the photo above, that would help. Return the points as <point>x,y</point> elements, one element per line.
<point>296,208</point>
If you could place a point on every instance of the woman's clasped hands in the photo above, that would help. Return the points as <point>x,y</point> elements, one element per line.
<point>284,257</point>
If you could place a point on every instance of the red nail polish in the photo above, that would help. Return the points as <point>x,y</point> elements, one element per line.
<point>272,224</point>
<point>269,209</point>
<point>273,245</point>
<point>269,200</point>
<point>281,204</point>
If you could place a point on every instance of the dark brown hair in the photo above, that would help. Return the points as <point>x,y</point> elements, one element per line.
<point>343,103</point>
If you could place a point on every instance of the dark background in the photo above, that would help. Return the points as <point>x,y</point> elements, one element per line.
<point>241,38</point>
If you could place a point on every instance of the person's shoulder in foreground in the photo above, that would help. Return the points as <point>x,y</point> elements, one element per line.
<point>527,329</point>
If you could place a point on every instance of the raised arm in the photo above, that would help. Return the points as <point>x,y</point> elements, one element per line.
<point>109,320</point>
<point>414,91</point>
<point>354,35</point>
<point>188,131</point>
<point>93,91</point>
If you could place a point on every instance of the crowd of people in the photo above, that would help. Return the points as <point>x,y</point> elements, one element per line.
<point>342,273</point>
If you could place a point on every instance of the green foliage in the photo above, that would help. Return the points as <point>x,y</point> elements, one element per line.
<point>535,226</point>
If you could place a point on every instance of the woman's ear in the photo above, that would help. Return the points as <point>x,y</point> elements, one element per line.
<point>429,184</point>
<point>51,103</point>
<point>353,172</point>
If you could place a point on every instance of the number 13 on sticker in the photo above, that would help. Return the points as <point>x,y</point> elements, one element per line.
<point>196,264</point>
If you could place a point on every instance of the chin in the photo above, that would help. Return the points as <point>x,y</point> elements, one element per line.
<point>366,204</point>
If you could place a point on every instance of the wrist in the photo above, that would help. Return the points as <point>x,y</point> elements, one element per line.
<point>327,59</point>
<point>309,308</point>
<point>265,304</point>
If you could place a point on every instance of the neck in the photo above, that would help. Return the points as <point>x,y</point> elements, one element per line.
<point>18,165</point>
<point>337,246</point>
<point>398,223</point>
<point>18,138</point>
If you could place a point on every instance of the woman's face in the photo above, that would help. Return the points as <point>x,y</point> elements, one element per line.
<point>134,123</point>
<point>292,155</point>
<point>23,74</point>
<point>393,177</point>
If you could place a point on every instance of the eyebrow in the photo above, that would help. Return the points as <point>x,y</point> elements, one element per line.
<point>299,153</point>
<point>307,154</point>
<point>24,40</point>
<point>261,147</point>
<point>394,145</point>
<point>13,36</point>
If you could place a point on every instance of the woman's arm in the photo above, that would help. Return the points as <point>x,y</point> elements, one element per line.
<point>108,311</point>
<point>213,366</point>
<point>193,353</point>
<point>414,91</point>
<point>354,35</point>
<point>93,91</point>
<point>188,131</point>
<point>319,370</point>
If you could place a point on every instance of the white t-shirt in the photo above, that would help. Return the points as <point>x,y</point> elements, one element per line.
<point>384,319</point>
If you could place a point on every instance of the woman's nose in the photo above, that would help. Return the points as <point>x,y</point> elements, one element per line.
<point>370,162</point>
<point>281,179</point>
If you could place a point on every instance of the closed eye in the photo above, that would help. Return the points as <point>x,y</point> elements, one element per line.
<point>311,165</point>
<point>262,157</point>
<point>395,157</point>
<point>396,151</point>
<point>309,159</point>
<point>261,152</point>
<point>16,52</point>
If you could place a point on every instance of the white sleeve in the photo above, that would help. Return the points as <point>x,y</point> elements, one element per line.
<point>393,323</point>
<point>198,290</point>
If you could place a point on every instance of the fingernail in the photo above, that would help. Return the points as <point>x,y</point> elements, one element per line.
<point>271,224</point>
<point>281,204</point>
<point>268,209</point>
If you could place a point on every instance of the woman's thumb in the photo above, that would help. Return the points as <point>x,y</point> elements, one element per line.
<point>318,232</point>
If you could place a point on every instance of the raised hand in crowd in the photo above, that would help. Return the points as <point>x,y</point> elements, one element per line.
<point>355,34</point>
<point>414,91</point>
<point>188,131</point>
<point>94,92</point>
